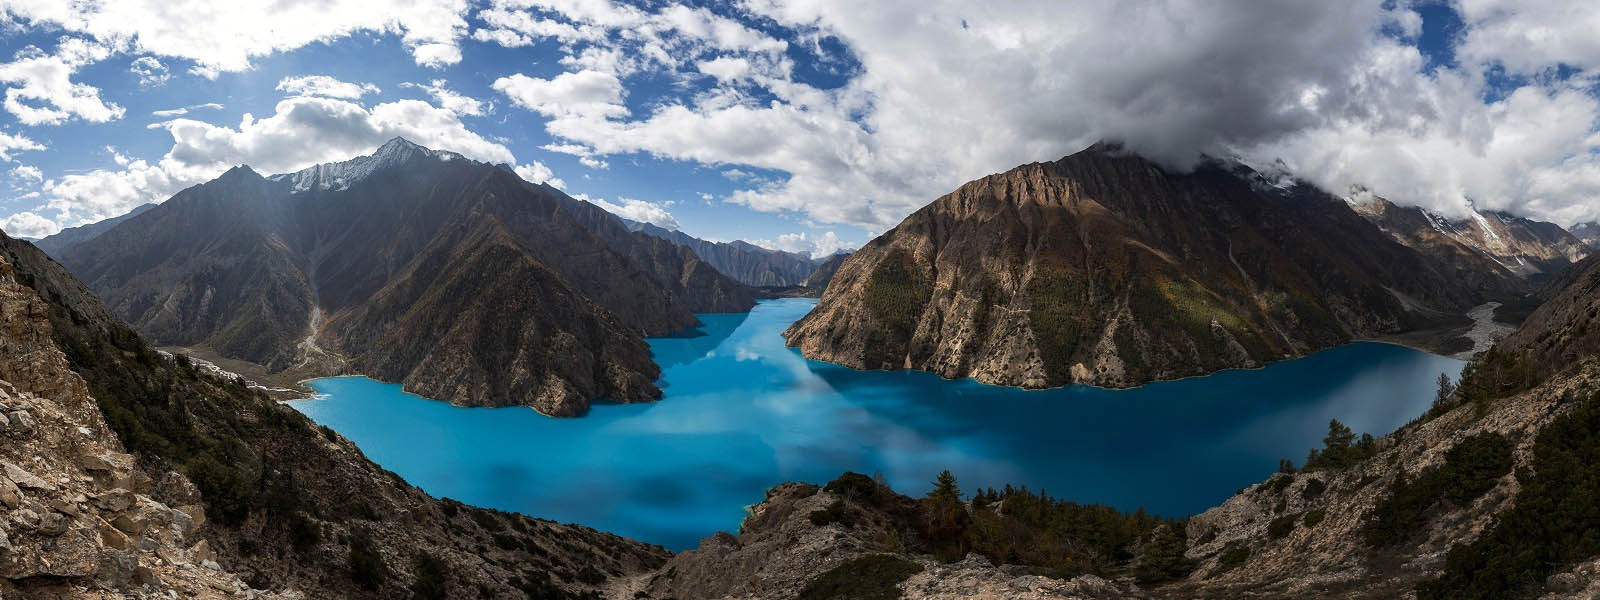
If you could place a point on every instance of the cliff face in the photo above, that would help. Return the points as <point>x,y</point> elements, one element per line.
<point>130,473</point>
<point>1529,249</point>
<point>1102,268</point>
<point>362,262</point>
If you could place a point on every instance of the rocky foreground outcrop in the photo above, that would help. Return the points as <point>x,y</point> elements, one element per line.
<point>1103,268</point>
<point>782,553</point>
<point>126,472</point>
<point>77,512</point>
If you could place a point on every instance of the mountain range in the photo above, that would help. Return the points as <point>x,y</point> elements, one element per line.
<point>747,263</point>
<point>454,277</point>
<point>1104,268</point>
<point>133,472</point>
<point>1531,249</point>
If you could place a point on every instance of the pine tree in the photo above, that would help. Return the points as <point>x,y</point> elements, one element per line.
<point>945,518</point>
<point>1447,389</point>
<point>1339,436</point>
<point>1163,558</point>
<point>945,488</point>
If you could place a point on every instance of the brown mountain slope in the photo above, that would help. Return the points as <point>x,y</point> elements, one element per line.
<point>286,271</point>
<point>278,502</point>
<point>1566,328</point>
<point>505,327</point>
<point>1103,268</point>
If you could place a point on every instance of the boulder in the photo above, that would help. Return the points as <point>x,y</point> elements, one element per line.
<point>21,422</point>
<point>25,479</point>
<point>116,500</point>
<point>10,496</point>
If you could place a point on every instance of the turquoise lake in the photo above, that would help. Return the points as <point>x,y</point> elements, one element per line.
<point>742,412</point>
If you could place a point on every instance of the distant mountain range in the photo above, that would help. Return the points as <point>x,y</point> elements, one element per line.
<point>60,241</point>
<point>452,276</point>
<point>748,263</point>
<point>1104,268</point>
<point>1531,249</point>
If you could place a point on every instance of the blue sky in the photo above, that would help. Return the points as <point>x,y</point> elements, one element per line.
<point>808,125</point>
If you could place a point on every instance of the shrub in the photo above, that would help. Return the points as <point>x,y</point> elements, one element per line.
<point>1282,526</point>
<point>1313,489</point>
<point>304,533</point>
<point>367,568</point>
<point>837,512</point>
<point>430,575</point>
<point>1552,525</point>
<point>1314,516</point>
<point>1471,469</point>
<point>1232,556</point>
<point>872,577</point>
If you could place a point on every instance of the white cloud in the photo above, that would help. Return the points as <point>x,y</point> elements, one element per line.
<point>537,172</point>
<point>302,131</point>
<point>621,39</point>
<point>818,246</point>
<point>13,143</point>
<point>40,89</point>
<point>28,225</point>
<point>637,210</point>
<point>451,100</point>
<point>323,85</point>
<point>939,93</point>
<point>150,71</point>
<point>582,94</point>
<point>1529,36</point>
<point>184,110</point>
<point>27,173</point>
<point>725,68</point>
<point>219,40</point>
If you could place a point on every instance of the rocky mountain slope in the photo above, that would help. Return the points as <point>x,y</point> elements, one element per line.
<point>129,473</point>
<point>747,263</point>
<point>1588,233</point>
<point>77,514</point>
<point>1530,249</point>
<point>1489,495</point>
<point>62,240</point>
<point>1103,268</point>
<point>407,266</point>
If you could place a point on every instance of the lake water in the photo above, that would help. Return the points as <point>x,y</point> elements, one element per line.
<point>742,412</point>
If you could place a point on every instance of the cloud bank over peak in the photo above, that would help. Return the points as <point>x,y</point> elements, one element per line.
<point>937,93</point>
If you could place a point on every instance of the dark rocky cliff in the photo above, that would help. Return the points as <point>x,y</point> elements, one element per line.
<point>350,262</point>
<point>1103,268</point>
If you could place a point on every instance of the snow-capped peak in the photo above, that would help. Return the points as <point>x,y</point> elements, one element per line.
<point>341,175</point>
